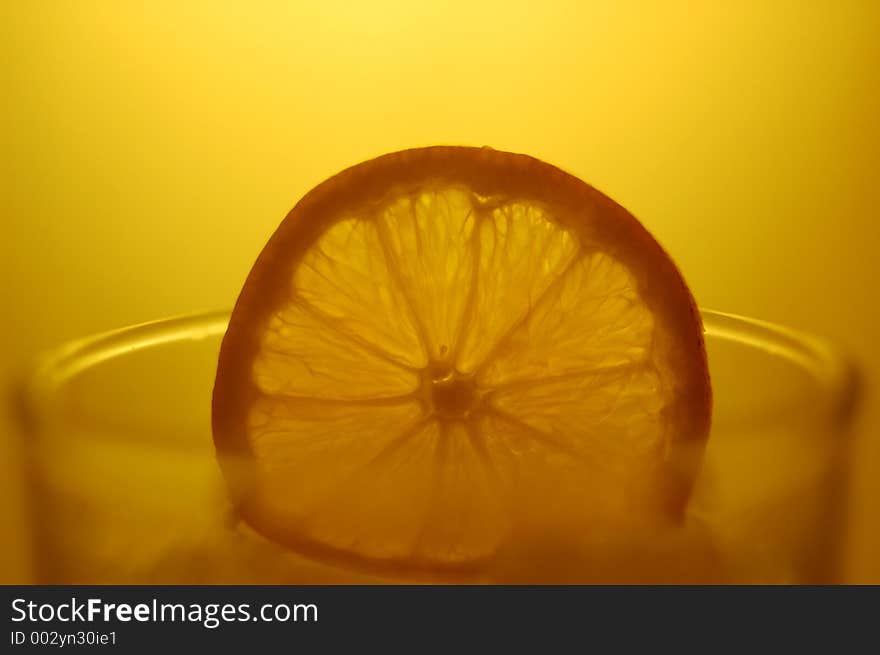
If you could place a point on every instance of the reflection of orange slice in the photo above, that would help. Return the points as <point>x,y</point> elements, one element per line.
<point>432,335</point>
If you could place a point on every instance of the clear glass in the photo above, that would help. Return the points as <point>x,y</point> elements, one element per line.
<point>125,487</point>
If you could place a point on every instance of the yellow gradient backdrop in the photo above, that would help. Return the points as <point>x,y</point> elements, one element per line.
<point>150,148</point>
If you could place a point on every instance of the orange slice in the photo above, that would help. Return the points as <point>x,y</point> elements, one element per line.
<point>437,342</point>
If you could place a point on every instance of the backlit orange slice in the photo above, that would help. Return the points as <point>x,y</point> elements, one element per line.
<point>431,338</point>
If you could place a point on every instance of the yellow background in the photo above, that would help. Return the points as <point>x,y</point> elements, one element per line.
<point>149,149</point>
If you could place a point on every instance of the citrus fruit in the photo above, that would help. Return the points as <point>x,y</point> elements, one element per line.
<point>438,342</point>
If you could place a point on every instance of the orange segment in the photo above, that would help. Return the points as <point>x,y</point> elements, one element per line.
<point>520,251</point>
<point>304,353</point>
<point>345,278</point>
<point>428,239</point>
<point>467,519</point>
<point>288,435</point>
<point>433,336</point>
<point>378,510</point>
<point>589,318</point>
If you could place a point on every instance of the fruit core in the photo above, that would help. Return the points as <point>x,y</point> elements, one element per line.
<point>448,393</point>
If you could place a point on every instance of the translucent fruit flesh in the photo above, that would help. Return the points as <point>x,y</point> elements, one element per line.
<point>432,336</point>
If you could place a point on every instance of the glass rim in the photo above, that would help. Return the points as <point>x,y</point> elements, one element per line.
<point>826,364</point>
